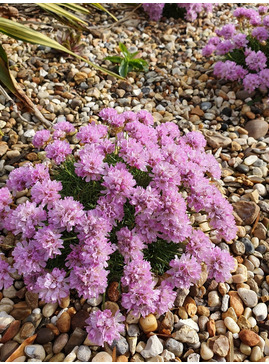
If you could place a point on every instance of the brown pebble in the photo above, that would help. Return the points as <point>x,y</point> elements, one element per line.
<point>65,302</point>
<point>148,323</point>
<point>182,313</point>
<point>211,327</point>
<point>236,303</point>
<point>113,291</point>
<point>53,328</point>
<point>27,330</point>
<point>78,320</point>
<point>11,331</point>
<point>203,311</point>
<point>190,306</point>
<point>31,299</point>
<point>64,322</point>
<point>249,337</point>
<point>122,359</point>
<point>229,313</point>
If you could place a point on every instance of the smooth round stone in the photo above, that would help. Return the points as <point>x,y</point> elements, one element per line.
<point>256,354</point>
<point>250,160</point>
<point>44,335</point>
<point>242,168</point>
<point>206,105</point>
<point>49,309</point>
<point>261,249</point>
<point>205,352</point>
<point>260,311</point>
<point>83,353</point>
<point>245,349</point>
<point>60,343</point>
<point>261,189</point>
<point>249,248</point>
<point>102,357</point>
<point>248,296</point>
<point>256,128</point>
<point>213,299</point>
<point>35,352</point>
<point>231,325</point>
<point>148,323</point>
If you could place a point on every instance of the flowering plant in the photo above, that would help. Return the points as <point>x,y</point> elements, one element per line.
<point>244,48</point>
<point>191,11</point>
<point>129,191</point>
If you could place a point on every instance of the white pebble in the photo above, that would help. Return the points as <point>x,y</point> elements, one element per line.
<point>231,325</point>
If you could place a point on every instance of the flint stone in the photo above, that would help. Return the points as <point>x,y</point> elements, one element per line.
<point>186,335</point>
<point>154,347</point>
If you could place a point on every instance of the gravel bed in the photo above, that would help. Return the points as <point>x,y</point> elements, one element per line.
<point>210,322</point>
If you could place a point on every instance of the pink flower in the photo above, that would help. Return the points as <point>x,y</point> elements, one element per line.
<point>104,327</point>
<point>40,138</point>
<point>49,240</point>
<point>64,126</point>
<point>58,151</point>
<point>185,271</point>
<point>219,264</point>
<point>65,214</point>
<point>5,270</point>
<point>53,287</point>
<point>46,192</point>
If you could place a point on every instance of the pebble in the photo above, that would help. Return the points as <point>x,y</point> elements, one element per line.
<point>148,323</point>
<point>174,346</point>
<point>49,309</point>
<point>257,128</point>
<point>5,321</point>
<point>121,345</point>
<point>64,322</point>
<point>249,337</point>
<point>35,352</point>
<point>102,356</point>
<point>248,296</point>
<point>213,299</point>
<point>231,325</point>
<point>186,335</point>
<point>44,335</point>
<point>83,353</point>
<point>60,343</point>
<point>153,347</point>
<point>260,311</point>
<point>205,352</point>
<point>221,346</point>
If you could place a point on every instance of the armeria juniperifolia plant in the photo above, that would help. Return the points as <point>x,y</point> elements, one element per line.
<point>242,49</point>
<point>192,10</point>
<point>129,188</point>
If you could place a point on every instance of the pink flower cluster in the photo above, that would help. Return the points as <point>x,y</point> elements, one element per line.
<point>171,164</point>
<point>192,10</point>
<point>244,53</point>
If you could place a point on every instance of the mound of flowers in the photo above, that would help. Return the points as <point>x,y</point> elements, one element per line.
<point>243,49</point>
<point>119,207</point>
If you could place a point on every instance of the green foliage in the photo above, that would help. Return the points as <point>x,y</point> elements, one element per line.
<point>128,62</point>
<point>159,253</point>
<point>174,11</point>
<point>238,56</point>
<point>85,192</point>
